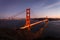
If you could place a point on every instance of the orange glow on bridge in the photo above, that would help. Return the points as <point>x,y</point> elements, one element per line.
<point>28,25</point>
<point>28,18</point>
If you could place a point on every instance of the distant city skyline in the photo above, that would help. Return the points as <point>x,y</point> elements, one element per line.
<point>39,8</point>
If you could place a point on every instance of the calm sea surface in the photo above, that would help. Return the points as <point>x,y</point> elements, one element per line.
<point>54,29</point>
<point>53,26</point>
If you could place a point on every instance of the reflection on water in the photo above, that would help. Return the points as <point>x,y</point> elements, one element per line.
<point>53,26</point>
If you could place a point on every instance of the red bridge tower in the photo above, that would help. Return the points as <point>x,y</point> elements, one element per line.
<point>28,18</point>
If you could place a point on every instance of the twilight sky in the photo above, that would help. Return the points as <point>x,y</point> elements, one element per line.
<point>39,8</point>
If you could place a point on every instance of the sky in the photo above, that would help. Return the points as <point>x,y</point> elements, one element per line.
<point>39,8</point>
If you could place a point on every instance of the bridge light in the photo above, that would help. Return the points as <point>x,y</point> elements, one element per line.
<point>28,11</point>
<point>27,14</point>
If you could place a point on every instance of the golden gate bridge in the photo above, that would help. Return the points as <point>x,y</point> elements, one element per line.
<point>28,25</point>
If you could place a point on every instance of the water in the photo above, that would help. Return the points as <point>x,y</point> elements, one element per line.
<point>54,29</point>
<point>53,26</point>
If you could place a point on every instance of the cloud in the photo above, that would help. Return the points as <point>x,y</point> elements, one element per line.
<point>52,5</point>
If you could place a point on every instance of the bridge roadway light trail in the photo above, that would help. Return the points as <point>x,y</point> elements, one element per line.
<point>33,24</point>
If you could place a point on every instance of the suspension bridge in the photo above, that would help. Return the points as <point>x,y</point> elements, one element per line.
<point>28,24</point>
<point>29,35</point>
